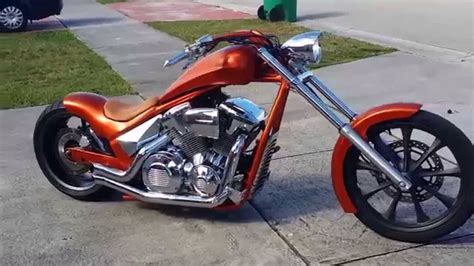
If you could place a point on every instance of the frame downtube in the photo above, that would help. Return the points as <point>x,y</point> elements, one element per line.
<point>272,125</point>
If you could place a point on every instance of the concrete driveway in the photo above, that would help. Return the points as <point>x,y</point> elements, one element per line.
<point>40,226</point>
<point>296,219</point>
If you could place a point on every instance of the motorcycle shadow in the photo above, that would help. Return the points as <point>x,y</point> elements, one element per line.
<point>460,240</point>
<point>281,199</point>
<point>244,214</point>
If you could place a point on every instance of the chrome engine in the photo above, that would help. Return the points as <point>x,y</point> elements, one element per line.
<point>162,172</point>
<point>194,162</point>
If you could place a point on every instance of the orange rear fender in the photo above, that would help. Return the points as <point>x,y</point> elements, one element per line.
<point>361,124</point>
<point>90,106</point>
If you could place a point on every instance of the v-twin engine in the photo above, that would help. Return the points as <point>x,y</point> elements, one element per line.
<point>169,172</point>
<point>196,159</point>
<point>189,156</point>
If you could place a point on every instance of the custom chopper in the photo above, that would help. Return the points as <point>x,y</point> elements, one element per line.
<point>404,172</point>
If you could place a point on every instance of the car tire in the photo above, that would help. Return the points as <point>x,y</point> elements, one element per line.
<point>19,11</point>
<point>261,13</point>
<point>276,14</point>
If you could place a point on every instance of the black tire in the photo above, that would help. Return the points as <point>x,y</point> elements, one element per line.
<point>261,13</point>
<point>276,14</point>
<point>17,7</point>
<point>456,213</point>
<point>49,127</point>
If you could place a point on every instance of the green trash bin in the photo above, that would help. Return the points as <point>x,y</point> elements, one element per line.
<point>277,10</point>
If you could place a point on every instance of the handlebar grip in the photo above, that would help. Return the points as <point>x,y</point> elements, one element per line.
<point>181,56</point>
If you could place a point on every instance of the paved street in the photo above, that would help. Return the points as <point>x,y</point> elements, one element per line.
<point>442,27</point>
<point>295,220</point>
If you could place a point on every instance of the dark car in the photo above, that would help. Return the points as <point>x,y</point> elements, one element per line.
<point>14,14</point>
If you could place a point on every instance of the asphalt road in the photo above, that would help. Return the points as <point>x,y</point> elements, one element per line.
<point>439,23</point>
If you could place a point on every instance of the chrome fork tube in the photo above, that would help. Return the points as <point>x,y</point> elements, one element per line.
<point>331,97</point>
<point>375,157</point>
<point>304,90</point>
<point>317,103</point>
<point>344,128</point>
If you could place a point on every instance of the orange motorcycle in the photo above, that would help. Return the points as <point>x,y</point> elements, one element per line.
<point>404,172</point>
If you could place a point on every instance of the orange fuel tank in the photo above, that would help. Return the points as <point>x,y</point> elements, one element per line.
<point>233,65</point>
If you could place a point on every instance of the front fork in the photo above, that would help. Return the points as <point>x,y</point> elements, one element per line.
<point>301,83</point>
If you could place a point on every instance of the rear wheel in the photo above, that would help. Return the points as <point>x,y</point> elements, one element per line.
<point>55,131</point>
<point>261,13</point>
<point>436,156</point>
<point>277,13</point>
<point>13,17</point>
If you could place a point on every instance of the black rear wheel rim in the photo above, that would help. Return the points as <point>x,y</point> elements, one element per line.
<point>60,135</point>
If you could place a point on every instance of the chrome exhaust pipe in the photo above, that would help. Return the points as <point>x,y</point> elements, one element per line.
<point>162,198</point>
<point>130,173</point>
<point>114,179</point>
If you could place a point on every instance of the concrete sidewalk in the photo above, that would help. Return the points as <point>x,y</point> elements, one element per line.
<point>170,10</point>
<point>137,52</point>
<point>305,224</point>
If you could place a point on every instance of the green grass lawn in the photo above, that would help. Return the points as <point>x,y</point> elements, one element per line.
<point>38,68</point>
<point>336,49</point>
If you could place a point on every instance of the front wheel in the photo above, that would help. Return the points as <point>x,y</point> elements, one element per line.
<point>436,156</point>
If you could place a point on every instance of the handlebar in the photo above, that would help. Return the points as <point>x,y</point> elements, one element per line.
<point>192,51</point>
<point>207,43</point>
<point>179,57</point>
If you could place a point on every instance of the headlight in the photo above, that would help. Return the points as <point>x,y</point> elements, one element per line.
<point>305,46</point>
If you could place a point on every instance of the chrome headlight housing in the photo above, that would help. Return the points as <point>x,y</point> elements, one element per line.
<point>305,46</point>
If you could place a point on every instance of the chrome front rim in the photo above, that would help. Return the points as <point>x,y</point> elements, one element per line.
<point>11,17</point>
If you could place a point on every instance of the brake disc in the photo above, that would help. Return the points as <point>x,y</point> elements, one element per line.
<point>433,163</point>
<point>68,138</point>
